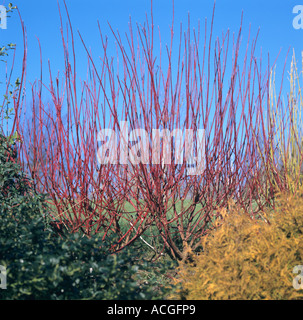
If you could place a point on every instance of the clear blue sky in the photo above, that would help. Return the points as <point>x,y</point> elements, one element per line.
<point>41,18</point>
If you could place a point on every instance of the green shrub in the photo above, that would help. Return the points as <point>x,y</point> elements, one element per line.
<point>42,265</point>
<point>247,258</point>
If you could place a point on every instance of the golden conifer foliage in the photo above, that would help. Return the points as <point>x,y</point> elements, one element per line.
<point>247,259</point>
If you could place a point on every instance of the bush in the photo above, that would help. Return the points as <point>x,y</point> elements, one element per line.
<point>44,265</point>
<point>249,258</point>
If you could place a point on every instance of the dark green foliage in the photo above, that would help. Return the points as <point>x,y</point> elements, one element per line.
<point>42,265</point>
<point>16,195</point>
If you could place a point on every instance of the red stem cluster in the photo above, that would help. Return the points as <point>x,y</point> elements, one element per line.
<point>201,84</point>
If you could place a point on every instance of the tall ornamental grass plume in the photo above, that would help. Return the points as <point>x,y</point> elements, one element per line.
<point>249,258</point>
<point>284,157</point>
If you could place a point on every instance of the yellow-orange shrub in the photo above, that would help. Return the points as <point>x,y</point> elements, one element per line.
<point>248,258</point>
